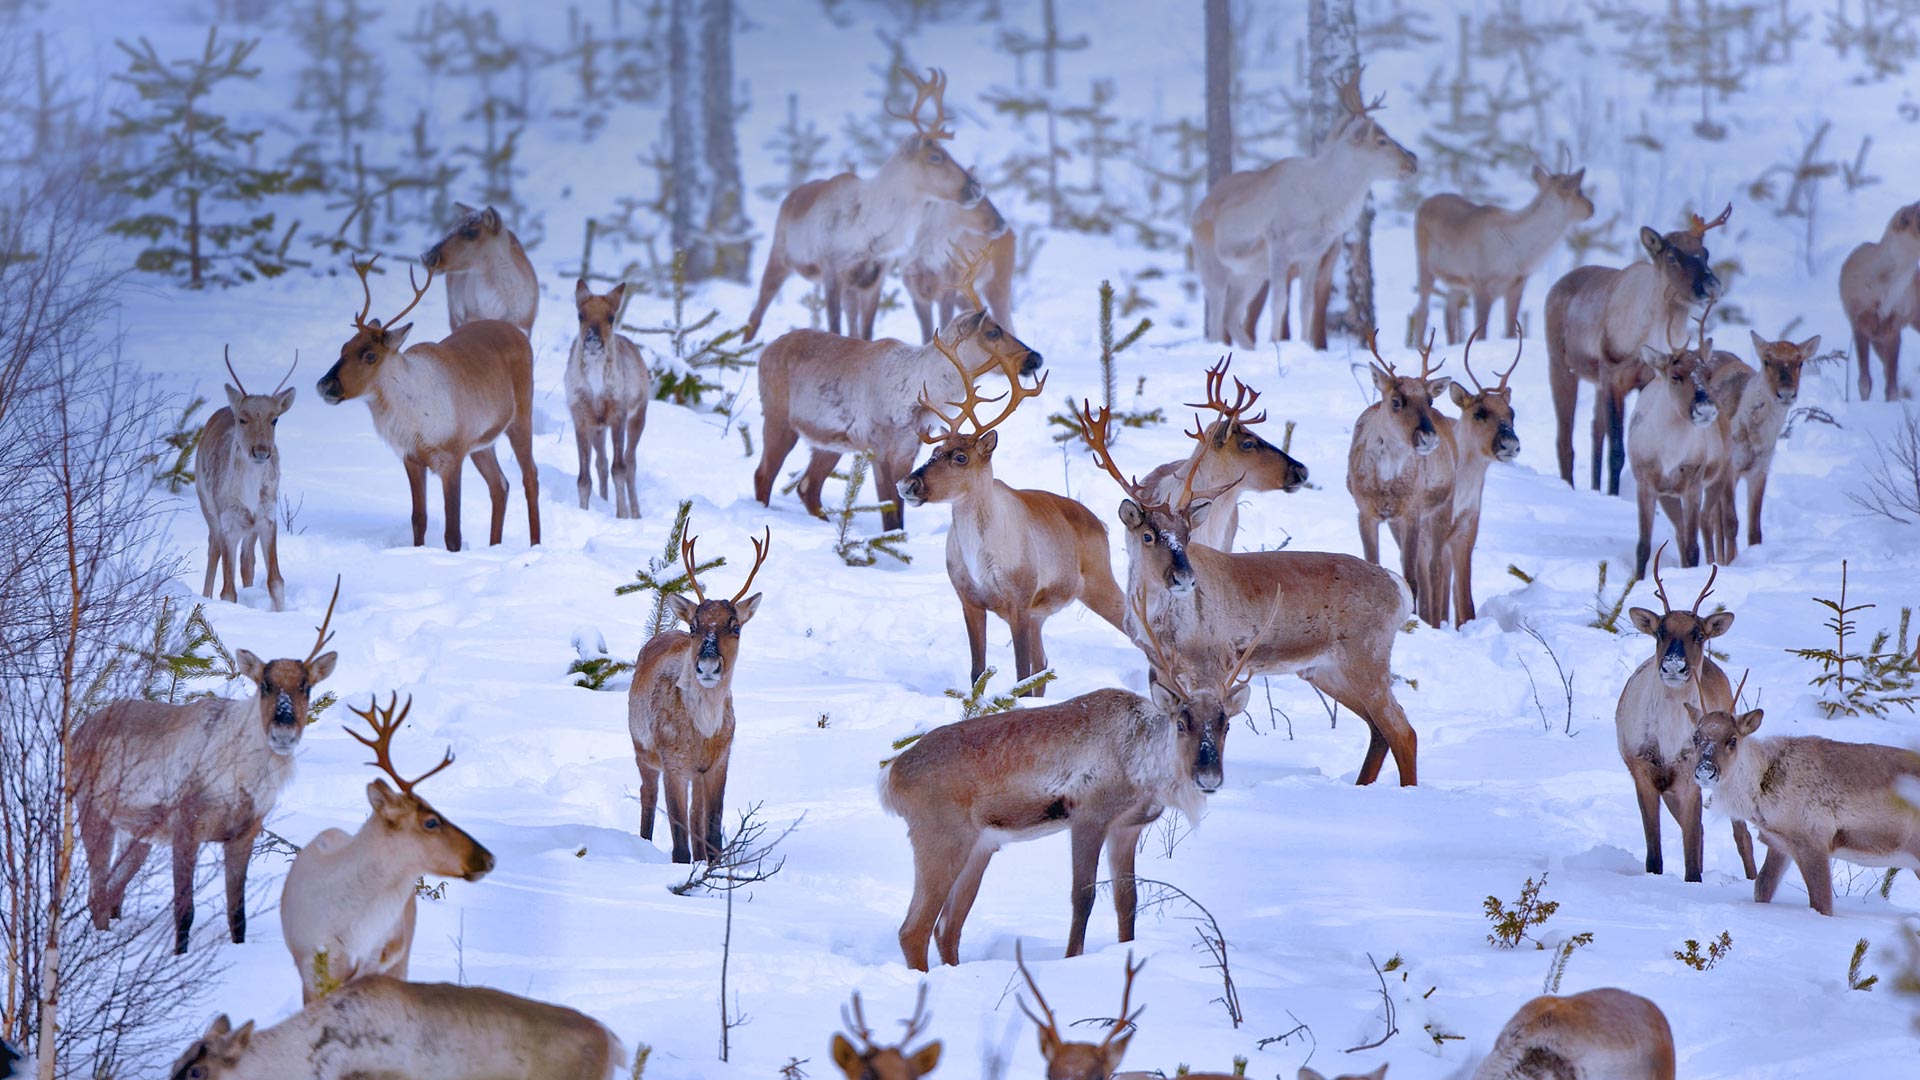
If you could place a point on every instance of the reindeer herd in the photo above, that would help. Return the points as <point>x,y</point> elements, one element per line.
<point>1206,617</point>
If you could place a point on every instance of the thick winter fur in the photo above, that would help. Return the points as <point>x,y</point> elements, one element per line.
<point>1484,434</point>
<point>843,395</point>
<point>608,388</point>
<point>1484,252</point>
<point>1400,470</point>
<point>1102,765</point>
<point>680,714</point>
<point>1018,553</point>
<point>207,772</point>
<point>236,471</point>
<point>1880,292</point>
<point>438,403</point>
<point>1255,230</point>
<point>1678,450</point>
<point>488,274</point>
<point>1338,619</point>
<point>1598,321</point>
<point>351,898</point>
<point>1753,411</point>
<point>1603,1034</point>
<point>1233,456</point>
<point>1812,799</point>
<point>927,268</point>
<point>381,1027</point>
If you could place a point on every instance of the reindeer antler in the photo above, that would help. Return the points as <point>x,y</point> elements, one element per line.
<point>1660,587</point>
<point>1163,660</point>
<point>1699,227</point>
<point>1125,1021</point>
<point>1742,687</point>
<point>1426,354</point>
<point>760,549</point>
<point>971,399</point>
<point>1243,397</point>
<point>366,290</point>
<point>688,560</point>
<point>916,1023</point>
<point>1094,431</point>
<point>856,1024</point>
<point>1706,589</point>
<point>419,292</point>
<point>283,379</point>
<point>968,268</point>
<point>322,635</point>
<point>226,352</point>
<point>384,723</point>
<point>1466,362</point>
<point>934,88</point>
<point>1347,88</point>
<point>1381,362</point>
<point>1049,1025</point>
<point>1233,678</point>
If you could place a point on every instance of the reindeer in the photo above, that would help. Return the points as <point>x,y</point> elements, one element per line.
<point>680,709</point>
<point>1342,614</point>
<point>1603,1034</point>
<point>1677,450</point>
<point>1487,251</point>
<point>1103,766</point>
<point>608,387</point>
<point>1400,470</point>
<point>1254,230</point>
<point>435,404</point>
<point>1304,1074</point>
<point>1813,799</point>
<point>206,772</point>
<point>236,472</point>
<point>1880,292</point>
<point>943,227</point>
<point>348,907</point>
<point>1080,1060</point>
<point>1599,319</point>
<point>379,1026</point>
<point>870,1061</point>
<point>845,396</point>
<point>844,231</point>
<point>487,273</point>
<point>1019,553</point>
<point>1753,411</point>
<point>1656,738</point>
<point>1483,435</point>
<point>1227,455</point>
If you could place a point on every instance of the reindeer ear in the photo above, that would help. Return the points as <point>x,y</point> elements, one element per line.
<point>249,665</point>
<point>617,297</point>
<point>1693,713</point>
<point>1130,514</point>
<point>1237,699</point>
<point>1197,512</point>
<point>1652,241</point>
<point>1049,1044</point>
<point>321,667</point>
<point>1541,177</point>
<point>1116,1050</point>
<point>1654,358</point>
<point>744,609</point>
<point>1381,380</point>
<point>844,1055</point>
<point>683,607</point>
<point>1748,723</point>
<point>380,796</point>
<point>987,442</point>
<point>1459,395</point>
<point>1759,343</point>
<point>283,401</point>
<point>462,209</point>
<point>924,1059</point>
<point>1719,623</point>
<point>491,219</point>
<point>239,1040</point>
<point>1162,696</point>
<point>234,398</point>
<point>1644,621</point>
<point>1808,347</point>
<point>220,1026</point>
<point>397,337</point>
<point>581,294</point>
<point>1578,179</point>
<point>1436,387</point>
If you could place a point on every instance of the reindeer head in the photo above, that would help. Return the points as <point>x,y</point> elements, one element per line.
<point>599,316</point>
<point>372,342</point>
<point>473,233</point>
<point>287,685</point>
<point>1904,223</point>
<point>868,1061</point>
<point>436,845</point>
<point>1202,713</point>
<point>1717,736</point>
<point>256,415</point>
<point>1078,1060</point>
<point>977,336</point>
<point>1681,257</point>
<point>962,460</point>
<point>1781,362</point>
<point>1157,531</point>
<point>1564,188</point>
<point>1486,414</point>
<point>923,160</point>
<point>1680,637</point>
<point>1407,400</point>
<point>1264,466</point>
<point>716,623</point>
<point>217,1053</point>
<point>1682,374</point>
<point>1363,136</point>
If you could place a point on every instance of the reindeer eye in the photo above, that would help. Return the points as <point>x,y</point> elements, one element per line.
<point>469,234</point>
<point>936,158</point>
<point>993,334</point>
<point>959,458</point>
<point>369,356</point>
<point>1186,725</point>
<point>1399,402</point>
<point>1147,537</point>
<point>430,824</point>
<point>1247,444</point>
<point>1480,414</point>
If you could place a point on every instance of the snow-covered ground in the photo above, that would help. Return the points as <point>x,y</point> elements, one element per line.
<point>1307,874</point>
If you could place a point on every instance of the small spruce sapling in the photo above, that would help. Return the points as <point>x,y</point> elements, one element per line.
<point>179,653</point>
<point>649,579</point>
<point>863,551</point>
<point>1854,981</point>
<point>679,373</point>
<point>593,665</point>
<point>177,457</point>
<point>1716,950</point>
<point>1513,925</point>
<point>976,700</point>
<point>1068,420</point>
<point>1606,613</point>
<point>1882,678</point>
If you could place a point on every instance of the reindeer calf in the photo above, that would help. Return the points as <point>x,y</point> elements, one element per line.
<point>1753,411</point>
<point>236,472</point>
<point>1603,1034</point>
<point>1880,290</point>
<point>608,387</point>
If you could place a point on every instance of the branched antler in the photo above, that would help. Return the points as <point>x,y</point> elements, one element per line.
<point>1348,91</point>
<point>1700,227</point>
<point>971,399</point>
<point>384,723</point>
<point>1244,398</point>
<point>760,549</point>
<point>1163,660</point>
<point>1466,362</point>
<point>965,269</point>
<point>1095,428</point>
<point>419,293</point>
<point>1049,1025</point>
<point>321,634</point>
<point>932,88</point>
<point>688,560</point>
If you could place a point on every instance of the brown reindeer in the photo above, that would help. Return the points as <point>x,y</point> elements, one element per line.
<point>844,231</point>
<point>379,1026</point>
<point>1880,291</point>
<point>868,1060</point>
<point>1400,470</point>
<point>1021,554</point>
<point>1482,251</point>
<point>487,273</point>
<point>1341,614</point>
<point>436,404</point>
<point>1678,450</point>
<point>1603,1034</point>
<point>206,772</point>
<point>1655,734</point>
<point>1753,412</point>
<point>1304,1074</point>
<point>1255,230</point>
<point>1599,319</point>
<point>1813,799</point>
<point>844,396</point>
<point>1103,766</point>
<point>236,471</point>
<point>1227,456</point>
<point>347,909</point>
<point>945,226</point>
<point>608,388</point>
<point>1081,1060</point>
<point>680,709</point>
<point>1483,435</point>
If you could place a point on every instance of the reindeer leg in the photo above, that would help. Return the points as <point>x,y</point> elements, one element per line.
<point>636,426</point>
<point>1423,301</point>
<point>583,440</point>
<point>1889,349</point>
<point>1257,303</point>
<point>1644,549</point>
<point>1022,628</point>
<point>185,851</point>
<point>777,440</point>
<point>489,466</point>
<point>1647,795</point>
<point>1513,308</point>
<point>1482,309</point>
<point>129,864</point>
<point>939,855</point>
<point>600,448</point>
<point>1123,844</point>
<point>959,902</point>
<point>887,475</point>
<point>1863,356</point>
<point>246,559</point>
<point>975,617</point>
<point>678,792</point>
<point>697,818</point>
<point>1743,843</point>
<point>622,467</point>
<point>1683,802</point>
<point>771,279</point>
<point>213,559</point>
<point>1322,293</point>
<point>715,783</point>
<point>228,549</point>
<point>1566,395</point>
<point>520,437</point>
<point>1087,834</point>
<point>649,791</point>
<point>813,482</point>
<point>831,282</point>
<point>237,851</point>
<point>1771,871</point>
<point>96,836</point>
<point>1616,439</point>
<point>276,585</point>
<point>1370,536</point>
<point>417,489</point>
<point>1818,875</point>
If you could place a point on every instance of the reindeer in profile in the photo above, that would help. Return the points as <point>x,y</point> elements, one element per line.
<point>1228,457</point>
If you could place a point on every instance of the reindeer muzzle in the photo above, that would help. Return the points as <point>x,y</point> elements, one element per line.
<point>1208,773</point>
<point>1409,162</point>
<point>1706,773</point>
<point>329,387</point>
<point>971,194</point>
<point>1179,570</point>
<point>913,489</point>
<point>1425,439</point>
<point>1706,286</point>
<point>709,666</point>
<point>430,258</point>
<point>1787,395</point>
<point>1032,363</point>
<point>284,733</point>
<point>1704,411</point>
<point>1506,444</point>
<point>479,864</point>
<point>261,454</point>
<point>1673,669</point>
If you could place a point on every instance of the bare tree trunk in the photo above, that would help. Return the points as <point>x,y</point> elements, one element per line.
<point>1333,42</point>
<point>1219,90</point>
<point>706,210</point>
<point>727,222</point>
